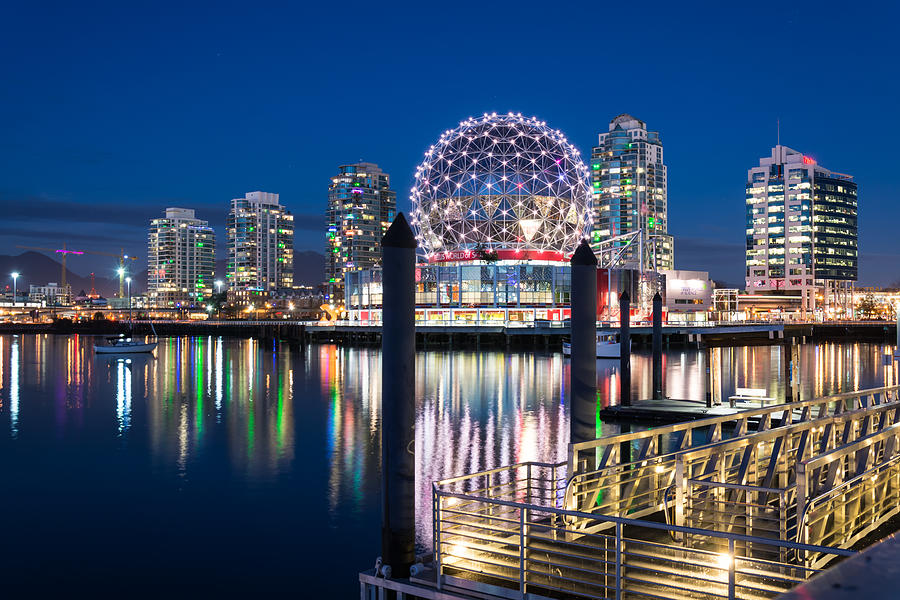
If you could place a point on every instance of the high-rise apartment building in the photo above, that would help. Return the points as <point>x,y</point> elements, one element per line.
<point>631,193</point>
<point>260,244</point>
<point>801,231</point>
<point>361,206</point>
<point>181,260</point>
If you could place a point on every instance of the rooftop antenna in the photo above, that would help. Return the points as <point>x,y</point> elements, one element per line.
<point>778,129</point>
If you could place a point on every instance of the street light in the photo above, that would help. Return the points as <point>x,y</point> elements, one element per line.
<point>219,283</point>
<point>15,276</point>
<point>128,281</point>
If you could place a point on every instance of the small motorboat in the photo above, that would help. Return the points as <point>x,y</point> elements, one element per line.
<point>124,345</point>
<point>607,346</point>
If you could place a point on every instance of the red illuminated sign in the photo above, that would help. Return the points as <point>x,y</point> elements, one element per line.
<point>465,255</point>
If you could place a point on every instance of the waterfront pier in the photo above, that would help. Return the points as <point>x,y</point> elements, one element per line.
<point>537,335</point>
<point>743,505</point>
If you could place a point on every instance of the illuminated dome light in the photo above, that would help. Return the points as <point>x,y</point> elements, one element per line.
<point>503,183</point>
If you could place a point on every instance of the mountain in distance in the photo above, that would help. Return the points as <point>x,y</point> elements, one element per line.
<point>40,269</point>
<point>309,269</point>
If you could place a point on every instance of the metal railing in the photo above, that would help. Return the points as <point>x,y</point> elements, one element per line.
<point>530,482</point>
<point>649,479</point>
<point>602,452</point>
<point>845,494</point>
<point>514,549</point>
<point>746,516</point>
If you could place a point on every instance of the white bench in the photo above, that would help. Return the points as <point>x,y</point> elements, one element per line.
<point>749,395</point>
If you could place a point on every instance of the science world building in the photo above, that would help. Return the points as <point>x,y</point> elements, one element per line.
<point>498,207</point>
<point>499,204</point>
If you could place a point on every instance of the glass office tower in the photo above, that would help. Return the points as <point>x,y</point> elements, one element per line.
<point>801,237</point>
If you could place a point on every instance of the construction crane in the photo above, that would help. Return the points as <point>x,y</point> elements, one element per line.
<point>65,252</point>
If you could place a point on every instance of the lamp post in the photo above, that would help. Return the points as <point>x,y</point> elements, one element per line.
<point>15,276</point>
<point>219,300</point>
<point>128,281</point>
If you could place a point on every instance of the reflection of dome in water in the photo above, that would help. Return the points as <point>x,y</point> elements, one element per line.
<point>501,182</point>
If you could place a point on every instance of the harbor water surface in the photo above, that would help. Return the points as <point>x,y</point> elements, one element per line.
<point>229,467</point>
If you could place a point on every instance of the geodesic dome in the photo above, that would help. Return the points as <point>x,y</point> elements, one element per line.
<point>501,182</point>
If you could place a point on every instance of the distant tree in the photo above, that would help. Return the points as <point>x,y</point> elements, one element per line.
<point>867,308</point>
<point>98,316</point>
<point>217,301</point>
<point>484,253</point>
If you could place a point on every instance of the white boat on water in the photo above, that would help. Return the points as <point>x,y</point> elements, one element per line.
<point>607,347</point>
<point>124,345</point>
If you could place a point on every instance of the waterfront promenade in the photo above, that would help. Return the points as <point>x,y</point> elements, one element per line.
<point>544,335</point>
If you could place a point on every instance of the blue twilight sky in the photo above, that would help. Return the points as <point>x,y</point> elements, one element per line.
<point>109,112</point>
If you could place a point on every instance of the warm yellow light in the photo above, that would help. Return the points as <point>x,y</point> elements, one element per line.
<point>460,551</point>
<point>724,560</point>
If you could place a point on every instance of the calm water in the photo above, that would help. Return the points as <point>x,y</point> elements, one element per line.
<point>228,467</point>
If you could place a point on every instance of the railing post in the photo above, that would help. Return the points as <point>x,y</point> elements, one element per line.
<point>731,567</point>
<point>528,484</point>
<point>618,560</point>
<point>680,482</point>
<point>553,486</point>
<point>436,525</point>
<point>523,520</point>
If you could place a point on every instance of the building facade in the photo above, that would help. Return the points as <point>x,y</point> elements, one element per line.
<point>495,292</point>
<point>688,297</point>
<point>630,187</point>
<point>181,260</point>
<point>801,234</point>
<point>51,294</point>
<point>361,206</point>
<point>260,244</point>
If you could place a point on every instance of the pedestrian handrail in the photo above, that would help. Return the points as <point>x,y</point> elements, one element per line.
<point>847,493</point>
<point>649,442</point>
<point>518,549</point>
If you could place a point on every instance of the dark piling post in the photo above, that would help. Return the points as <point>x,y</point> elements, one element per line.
<point>625,352</point>
<point>657,348</point>
<point>788,375</point>
<point>583,364</point>
<point>398,355</point>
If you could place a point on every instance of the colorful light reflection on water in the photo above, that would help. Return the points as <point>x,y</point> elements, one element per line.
<point>236,461</point>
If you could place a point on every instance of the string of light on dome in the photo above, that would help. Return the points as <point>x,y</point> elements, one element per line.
<point>501,182</point>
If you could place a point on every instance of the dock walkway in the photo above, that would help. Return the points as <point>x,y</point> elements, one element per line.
<point>740,505</point>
